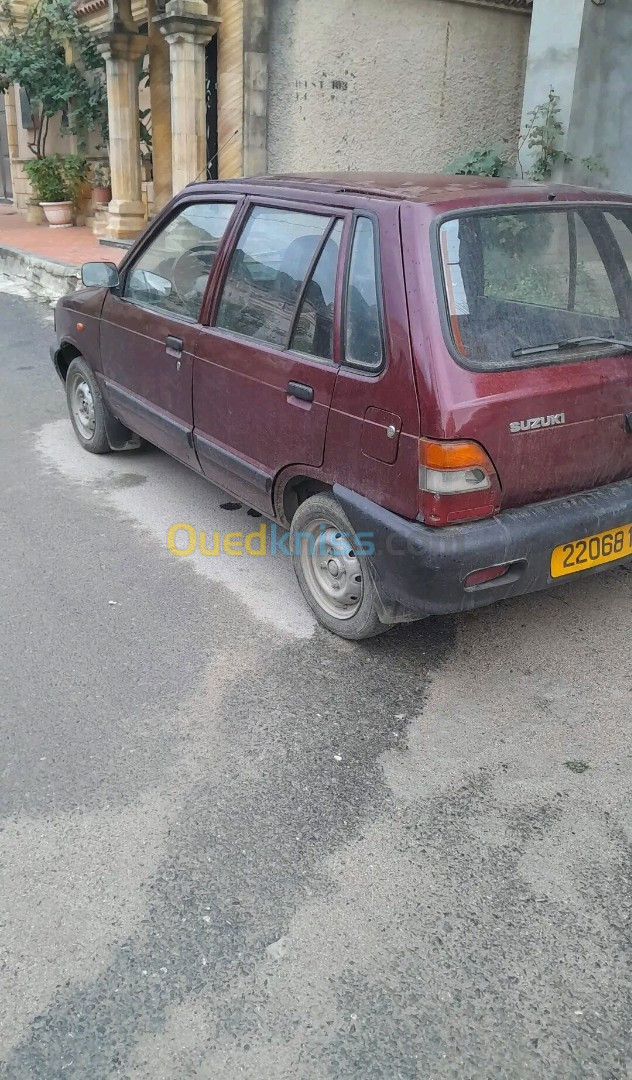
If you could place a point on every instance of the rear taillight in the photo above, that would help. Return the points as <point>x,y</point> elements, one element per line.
<point>457,482</point>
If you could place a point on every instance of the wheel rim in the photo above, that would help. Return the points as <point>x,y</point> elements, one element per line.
<point>331,569</point>
<point>82,406</point>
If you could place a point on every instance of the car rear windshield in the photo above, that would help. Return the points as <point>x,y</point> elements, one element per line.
<point>525,287</point>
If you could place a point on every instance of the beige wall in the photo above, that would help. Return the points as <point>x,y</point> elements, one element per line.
<point>390,84</point>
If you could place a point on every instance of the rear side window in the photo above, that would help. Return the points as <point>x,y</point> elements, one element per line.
<point>267,270</point>
<point>523,280</point>
<point>363,324</point>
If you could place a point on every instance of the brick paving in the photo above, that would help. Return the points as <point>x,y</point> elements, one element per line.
<point>69,246</point>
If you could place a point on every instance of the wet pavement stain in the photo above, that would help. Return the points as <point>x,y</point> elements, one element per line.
<point>242,857</point>
<point>128,480</point>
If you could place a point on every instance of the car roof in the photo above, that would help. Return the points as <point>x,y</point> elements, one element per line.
<point>432,189</point>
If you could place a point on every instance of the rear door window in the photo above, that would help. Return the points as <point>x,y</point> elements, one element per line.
<point>524,279</point>
<point>273,256</point>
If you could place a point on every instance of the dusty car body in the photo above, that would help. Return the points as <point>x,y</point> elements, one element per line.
<point>427,378</point>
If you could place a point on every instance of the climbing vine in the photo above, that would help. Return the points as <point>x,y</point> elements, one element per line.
<point>55,61</point>
<point>542,135</point>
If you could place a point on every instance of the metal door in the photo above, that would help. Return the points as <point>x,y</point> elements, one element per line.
<point>6,190</point>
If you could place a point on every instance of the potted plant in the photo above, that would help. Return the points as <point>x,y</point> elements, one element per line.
<point>101,188</point>
<point>56,181</point>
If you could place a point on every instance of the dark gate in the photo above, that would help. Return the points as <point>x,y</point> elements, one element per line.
<point>211,109</point>
<point>6,190</point>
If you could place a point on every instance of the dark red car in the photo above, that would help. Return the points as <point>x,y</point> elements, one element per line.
<point>427,378</point>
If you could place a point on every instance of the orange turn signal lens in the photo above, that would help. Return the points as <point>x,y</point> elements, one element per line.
<point>458,454</point>
<point>457,482</point>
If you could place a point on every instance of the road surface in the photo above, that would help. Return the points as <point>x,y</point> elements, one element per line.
<point>234,846</point>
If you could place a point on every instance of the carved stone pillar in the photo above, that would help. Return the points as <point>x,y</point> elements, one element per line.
<point>255,138</point>
<point>122,48</point>
<point>160,96</point>
<point>230,89</point>
<point>188,28</point>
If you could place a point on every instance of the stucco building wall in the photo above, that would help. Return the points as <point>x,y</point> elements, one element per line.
<point>391,84</point>
<point>600,122</point>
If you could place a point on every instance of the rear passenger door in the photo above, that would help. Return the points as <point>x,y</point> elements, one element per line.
<point>265,369</point>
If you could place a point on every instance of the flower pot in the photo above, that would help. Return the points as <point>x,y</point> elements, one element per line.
<point>59,215</point>
<point>101,195</point>
<point>34,213</point>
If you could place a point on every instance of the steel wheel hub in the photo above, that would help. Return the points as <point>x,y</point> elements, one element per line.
<point>82,405</point>
<point>332,570</point>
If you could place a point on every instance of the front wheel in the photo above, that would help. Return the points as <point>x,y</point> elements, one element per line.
<point>86,407</point>
<point>333,576</point>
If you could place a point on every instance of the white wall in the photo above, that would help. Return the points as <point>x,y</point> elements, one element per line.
<point>390,84</point>
<point>552,61</point>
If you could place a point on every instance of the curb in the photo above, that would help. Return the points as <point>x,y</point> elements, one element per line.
<point>45,279</point>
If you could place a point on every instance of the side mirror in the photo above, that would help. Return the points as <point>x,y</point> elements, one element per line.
<point>103,275</point>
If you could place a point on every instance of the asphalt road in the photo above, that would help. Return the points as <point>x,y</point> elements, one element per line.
<point>235,846</point>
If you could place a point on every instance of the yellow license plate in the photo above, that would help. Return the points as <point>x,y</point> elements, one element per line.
<point>590,551</point>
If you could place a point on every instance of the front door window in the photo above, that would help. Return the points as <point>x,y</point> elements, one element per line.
<point>171,273</point>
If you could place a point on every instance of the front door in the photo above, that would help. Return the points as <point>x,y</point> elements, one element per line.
<point>265,370</point>
<point>149,327</point>
<point>6,189</point>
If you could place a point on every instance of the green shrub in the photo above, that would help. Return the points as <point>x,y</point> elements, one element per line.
<point>490,161</point>
<point>35,44</point>
<point>57,178</point>
<point>101,174</point>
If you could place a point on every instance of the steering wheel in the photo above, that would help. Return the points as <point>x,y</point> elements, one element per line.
<point>189,267</point>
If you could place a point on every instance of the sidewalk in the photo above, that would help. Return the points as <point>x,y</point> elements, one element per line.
<point>43,262</point>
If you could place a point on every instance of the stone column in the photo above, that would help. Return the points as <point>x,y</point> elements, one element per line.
<point>230,90</point>
<point>255,152</point>
<point>122,48</point>
<point>188,28</point>
<point>160,96</point>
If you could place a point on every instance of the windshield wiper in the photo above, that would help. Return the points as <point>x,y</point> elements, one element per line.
<point>570,343</point>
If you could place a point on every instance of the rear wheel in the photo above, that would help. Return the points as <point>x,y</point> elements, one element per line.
<point>333,576</point>
<point>86,407</point>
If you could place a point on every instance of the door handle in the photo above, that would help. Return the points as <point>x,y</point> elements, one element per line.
<point>301,391</point>
<point>174,345</point>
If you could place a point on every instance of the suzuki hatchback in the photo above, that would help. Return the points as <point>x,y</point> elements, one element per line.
<point>428,379</point>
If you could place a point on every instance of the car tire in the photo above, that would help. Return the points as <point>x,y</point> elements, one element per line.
<point>334,578</point>
<point>86,407</point>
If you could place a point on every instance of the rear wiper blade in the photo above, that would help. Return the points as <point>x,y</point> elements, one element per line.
<point>570,343</point>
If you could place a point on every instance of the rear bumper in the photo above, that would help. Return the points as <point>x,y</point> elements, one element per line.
<point>422,570</point>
